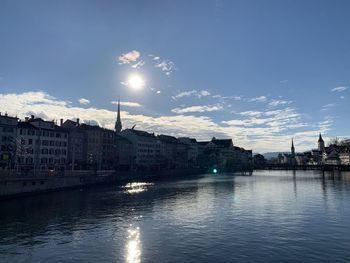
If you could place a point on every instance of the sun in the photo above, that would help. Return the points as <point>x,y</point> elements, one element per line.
<point>136,82</point>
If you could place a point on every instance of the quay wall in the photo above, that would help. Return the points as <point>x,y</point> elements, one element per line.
<point>13,184</point>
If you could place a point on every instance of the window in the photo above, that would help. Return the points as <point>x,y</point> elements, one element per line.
<point>44,151</point>
<point>30,141</point>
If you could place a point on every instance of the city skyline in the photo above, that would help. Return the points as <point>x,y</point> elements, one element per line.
<point>258,82</point>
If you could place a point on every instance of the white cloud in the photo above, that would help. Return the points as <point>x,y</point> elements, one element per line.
<point>84,101</point>
<point>129,57</point>
<point>204,93</point>
<point>184,94</point>
<point>156,58</point>
<point>251,113</point>
<point>258,99</point>
<point>158,92</point>
<point>327,107</point>
<point>263,131</point>
<point>205,108</point>
<point>342,97</point>
<point>127,103</point>
<point>166,66</point>
<point>275,103</point>
<point>138,64</point>
<point>198,94</point>
<point>339,89</point>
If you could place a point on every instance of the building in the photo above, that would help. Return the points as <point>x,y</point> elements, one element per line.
<point>344,157</point>
<point>125,153</point>
<point>76,145</point>
<point>192,150</point>
<point>100,150</point>
<point>223,154</point>
<point>8,133</point>
<point>42,145</point>
<point>146,148</point>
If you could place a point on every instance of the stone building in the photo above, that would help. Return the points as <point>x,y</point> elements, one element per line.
<point>41,145</point>
<point>223,154</point>
<point>146,148</point>
<point>8,133</point>
<point>76,145</point>
<point>192,150</point>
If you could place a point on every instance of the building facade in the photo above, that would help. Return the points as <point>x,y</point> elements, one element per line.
<point>146,148</point>
<point>8,134</point>
<point>42,145</point>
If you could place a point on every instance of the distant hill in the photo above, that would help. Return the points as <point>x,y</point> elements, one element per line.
<point>271,155</point>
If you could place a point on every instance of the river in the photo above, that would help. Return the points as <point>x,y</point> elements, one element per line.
<point>271,216</point>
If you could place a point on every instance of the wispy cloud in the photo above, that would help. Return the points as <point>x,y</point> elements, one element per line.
<point>84,101</point>
<point>327,107</point>
<point>284,81</point>
<point>138,64</point>
<point>258,99</point>
<point>166,66</point>
<point>339,89</point>
<point>129,57</point>
<point>198,94</point>
<point>276,103</point>
<point>205,108</point>
<point>127,103</point>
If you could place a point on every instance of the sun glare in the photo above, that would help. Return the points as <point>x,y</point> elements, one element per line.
<point>136,82</point>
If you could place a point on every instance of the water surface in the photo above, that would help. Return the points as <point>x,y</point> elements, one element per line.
<point>272,216</point>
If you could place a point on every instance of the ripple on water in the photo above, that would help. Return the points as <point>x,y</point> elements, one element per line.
<point>272,216</point>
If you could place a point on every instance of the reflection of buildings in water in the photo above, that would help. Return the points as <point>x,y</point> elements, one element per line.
<point>133,245</point>
<point>295,183</point>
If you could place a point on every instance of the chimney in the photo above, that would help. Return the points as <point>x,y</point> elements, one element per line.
<point>61,122</point>
<point>26,118</point>
<point>78,121</point>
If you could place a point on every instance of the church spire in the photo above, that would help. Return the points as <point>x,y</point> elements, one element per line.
<point>321,147</point>
<point>293,148</point>
<point>118,123</point>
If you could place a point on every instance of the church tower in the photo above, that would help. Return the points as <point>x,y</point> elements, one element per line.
<point>118,123</point>
<point>293,148</point>
<point>320,143</point>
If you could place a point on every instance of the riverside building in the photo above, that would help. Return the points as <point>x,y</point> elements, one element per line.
<point>41,145</point>
<point>8,133</point>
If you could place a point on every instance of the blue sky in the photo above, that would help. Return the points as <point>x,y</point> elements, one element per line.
<point>259,72</point>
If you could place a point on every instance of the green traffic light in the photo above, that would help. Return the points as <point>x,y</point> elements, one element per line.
<point>215,171</point>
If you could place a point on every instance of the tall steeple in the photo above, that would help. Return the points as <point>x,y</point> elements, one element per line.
<point>118,123</point>
<point>320,143</point>
<point>292,148</point>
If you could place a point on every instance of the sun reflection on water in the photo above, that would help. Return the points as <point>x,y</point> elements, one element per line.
<point>132,188</point>
<point>133,245</point>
